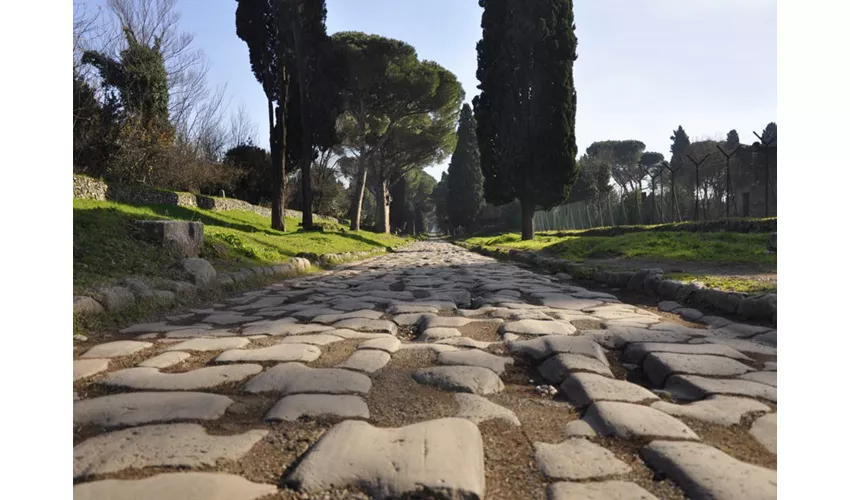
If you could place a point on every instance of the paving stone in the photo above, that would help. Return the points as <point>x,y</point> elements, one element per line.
<point>273,327</point>
<point>704,472</point>
<point>367,360</point>
<point>115,349</point>
<point>635,353</point>
<point>577,459</point>
<point>558,367</point>
<point>764,377</point>
<point>445,322</point>
<point>175,486</point>
<point>466,342</point>
<point>618,337</point>
<point>721,410</point>
<point>544,347</point>
<point>198,332</point>
<point>157,327</point>
<point>537,327</point>
<point>368,325</point>
<point>200,378</point>
<point>411,308</point>
<point>579,428</point>
<point>745,346</point>
<point>168,445</point>
<point>429,345</point>
<point>412,319</point>
<point>388,344</point>
<point>669,305</point>
<point>296,378</point>
<point>479,409</point>
<point>585,388</point>
<point>659,365</point>
<point>770,366</point>
<point>437,333</point>
<point>560,301</point>
<point>308,312</point>
<point>768,338</point>
<point>137,408</point>
<point>216,344</point>
<point>360,313</point>
<point>230,318</point>
<point>764,431</point>
<point>317,339</point>
<point>291,408</point>
<point>354,305</point>
<point>280,352</point>
<point>604,490</point>
<point>471,379</point>
<point>626,421</point>
<point>165,360</point>
<point>689,313</point>
<point>475,357</point>
<point>352,334</point>
<point>87,367</point>
<point>444,456</point>
<point>693,387</point>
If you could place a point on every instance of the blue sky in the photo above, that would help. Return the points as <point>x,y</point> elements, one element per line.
<point>644,67</point>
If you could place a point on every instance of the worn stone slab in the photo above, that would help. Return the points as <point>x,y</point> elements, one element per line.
<point>216,344</point>
<point>293,329</point>
<point>308,311</point>
<point>360,313</point>
<point>412,308</point>
<point>471,379</point>
<point>669,305</point>
<point>544,347</point>
<point>764,377</point>
<point>317,339</point>
<point>659,365</point>
<point>165,360</point>
<point>693,387</point>
<point>764,431</point>
<point>603,490</point>
<point>635,353</point>
<point>156,327</point>
<point>706,473</point>
<point>412,319</point>
<point>577,459</point>
<point>479,409</point>
<point>558,367</point>
<point>444,456</point>
<point>115,349</point>
<point>466,342</point>
<point>367,360</point>
<point>295,406</point>
<point>296,378</point>
<point>368,325</point>
<point>475,357</point>
<point>354,305</point>
<point>537,327</point>
<point>445,322</point>
<point>745,346</point>
<point>352,334</point>
<point>175,486</point>
<point>619,337</point>
<point>137,408</point>
<point>201,378</point>
<point>430,345</point>
<point>689,313</point>
<point>87,367</point>
<point>437,333</point>
<point>579,428</point>
<point>721,410</point>
<point>770,366</point>
<point>281,352</point>
<point>626,421</point>
<point>388,344</point>
<point>229,318</point>
<point>562,301</point>
<point>585,388</point>
<point>198,331</point>
<point>168,445</point>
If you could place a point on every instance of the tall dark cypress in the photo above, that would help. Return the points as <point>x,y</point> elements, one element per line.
<point>465,181</point>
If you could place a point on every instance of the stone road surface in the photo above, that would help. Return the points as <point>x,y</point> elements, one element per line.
<point>430,371</point>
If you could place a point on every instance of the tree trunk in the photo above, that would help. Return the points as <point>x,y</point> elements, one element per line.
<point>306,132</point>
<point>527,205</point>
<point>696,201</point>
<point>385,206</point>
<point>279,194</point>
<point>360,190</point>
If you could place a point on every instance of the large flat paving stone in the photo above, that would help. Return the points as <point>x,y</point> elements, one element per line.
<point>764,431</point>
<point>437,333</point>
<point>411,319</point>
<point>291,408</point>
<point>347,334</point>
<point>745,346</point>
<point>557,368</point>
<point>280,352</point>
<point>544,347</point>
<point>444,457</point>
<point>412,308</point>
<point>466,342</point>
<point>636,352</point>
<point>603,490</point>
<point>471,379</point>
<point>87,367</point>
<point>165,360</point>
<point>706,473</point>
<point>537,327</point>
<point>764,377</point>
<point>367,360</point>
<point>229,318</point>
<point>475,357</point>
<point>721,410</point>
<point>137,408</point>
<point>368,325</point>
<point>388,344</point>
<point>275,327</point>
<point>175,486</point>
<point>296,378</point>
<point>480,409</point>
<point>167,445</point>
<point>693,387</point>
<point>562,301</point>
<point>619,337</point>
<point>198,331</point>
<point>317,339</point>
<point>445,322</point>
<point>115,349</point>
<point>201,378</point>
<point>577,459</point>
<point>216,344</point>
<point>361,313</point>
<point>660,365</point>
<point>626,421</point>
<point>585,388</point>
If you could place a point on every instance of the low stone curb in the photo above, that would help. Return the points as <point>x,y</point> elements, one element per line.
<point>752,306</point>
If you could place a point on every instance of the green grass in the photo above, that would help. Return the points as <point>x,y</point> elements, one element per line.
<point>106,250</point>
<point>743,285</point>
<point>716,247</point>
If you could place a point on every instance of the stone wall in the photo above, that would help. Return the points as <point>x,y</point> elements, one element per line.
<point>94,189</point>
<point>731,225</point>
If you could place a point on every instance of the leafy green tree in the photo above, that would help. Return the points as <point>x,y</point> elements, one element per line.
<point>439,198</point>
<point>525,112</point>
<point>466,182</point>
<point>678,151</point>
<point>254,176</point>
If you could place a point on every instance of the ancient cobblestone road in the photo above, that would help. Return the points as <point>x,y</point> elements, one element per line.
<point>428,370</point>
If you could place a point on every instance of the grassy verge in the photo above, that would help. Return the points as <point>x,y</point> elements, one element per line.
<point>106,250</point>
<point>725,283</point>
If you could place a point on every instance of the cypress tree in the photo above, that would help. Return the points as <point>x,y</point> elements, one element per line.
<point>465,181</point>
